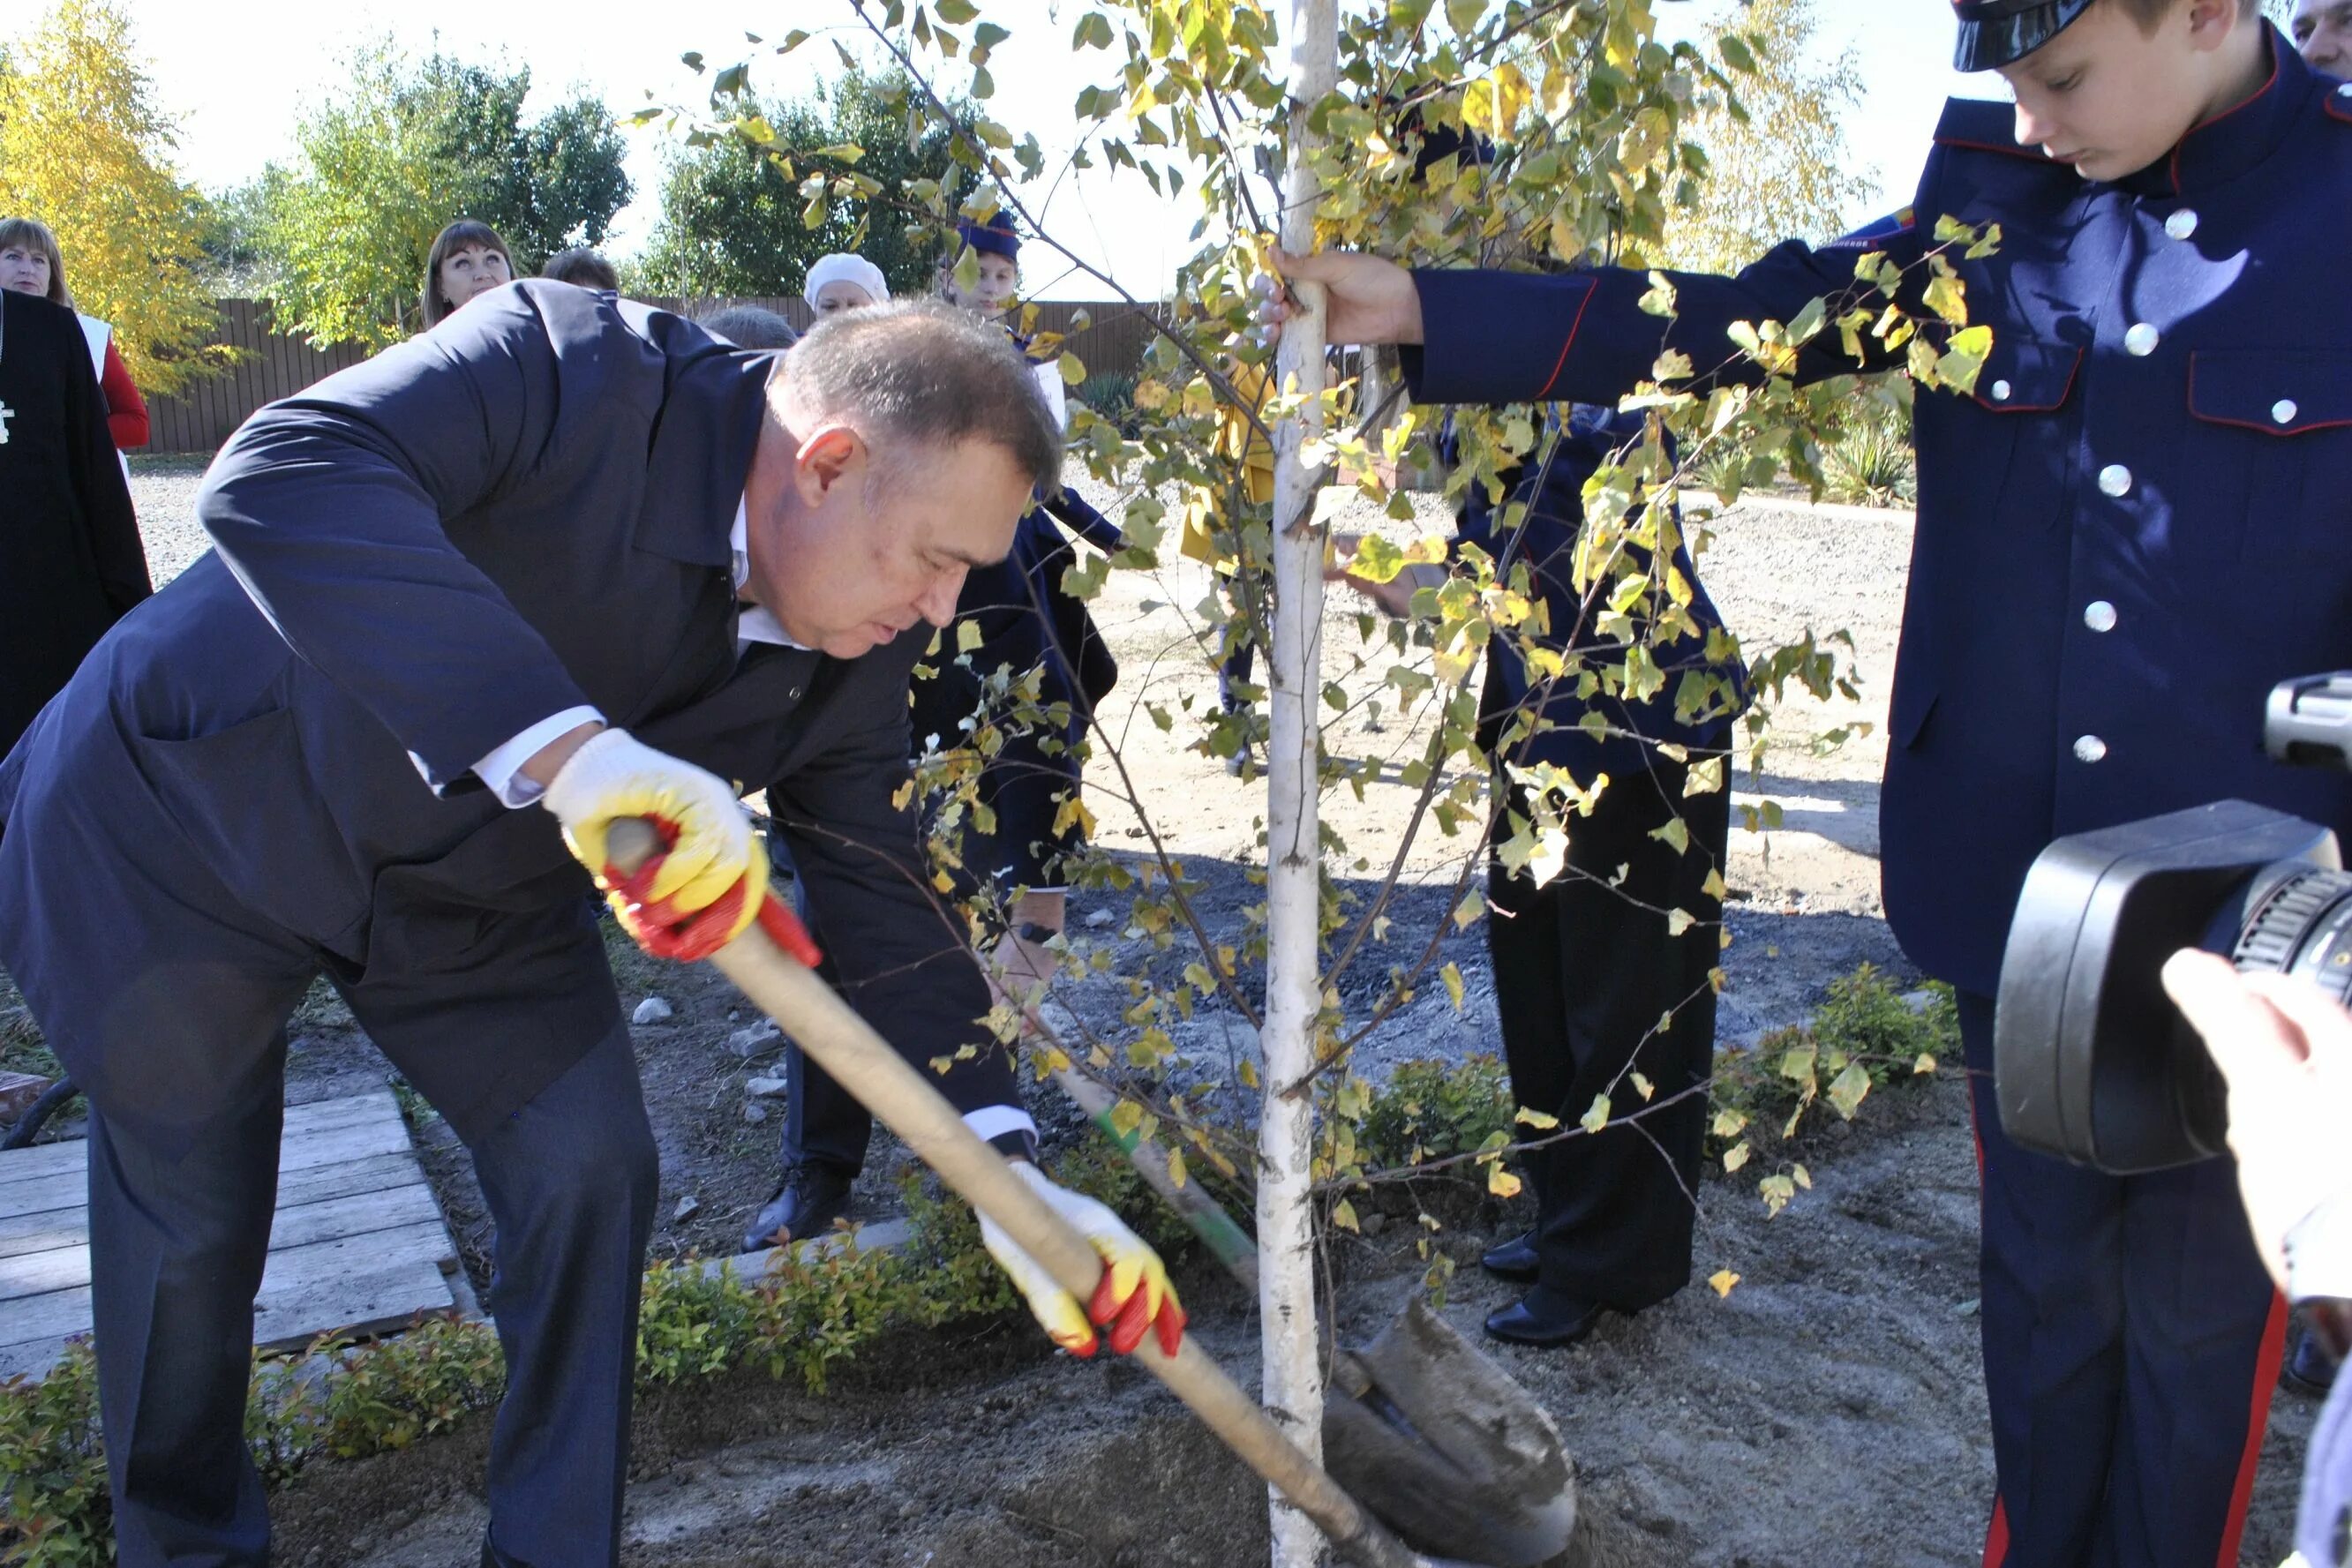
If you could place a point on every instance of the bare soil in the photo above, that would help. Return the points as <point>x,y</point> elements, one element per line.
<point>1828,1412</point>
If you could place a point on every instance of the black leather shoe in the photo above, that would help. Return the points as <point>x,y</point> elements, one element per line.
<point>811,1198</point>
<point>1544,1320</point>
<point>2309,1368</point>
<point>1514,1259</point>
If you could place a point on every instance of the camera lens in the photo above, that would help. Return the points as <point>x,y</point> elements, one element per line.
<point>2303,927</point>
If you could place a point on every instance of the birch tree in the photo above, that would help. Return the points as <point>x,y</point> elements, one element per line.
<point>1589,113</point>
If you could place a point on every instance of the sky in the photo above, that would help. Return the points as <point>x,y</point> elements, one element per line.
<point>235,89</point>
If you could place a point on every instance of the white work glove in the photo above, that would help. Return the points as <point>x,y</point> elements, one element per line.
<point>1133,1299</point>
<point>707,885</point>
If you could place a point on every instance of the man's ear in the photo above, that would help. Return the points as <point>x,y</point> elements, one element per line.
<point>830,455</point>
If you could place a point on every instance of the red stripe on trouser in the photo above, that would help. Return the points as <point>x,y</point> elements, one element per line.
<point>2266,1376</point>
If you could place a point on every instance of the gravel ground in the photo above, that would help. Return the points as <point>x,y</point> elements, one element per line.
<point>163,489</point>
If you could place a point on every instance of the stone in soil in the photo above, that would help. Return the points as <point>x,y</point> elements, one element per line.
<point>653,1010</point>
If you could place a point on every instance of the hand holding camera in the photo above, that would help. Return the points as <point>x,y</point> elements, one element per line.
<point>2285,1048</point>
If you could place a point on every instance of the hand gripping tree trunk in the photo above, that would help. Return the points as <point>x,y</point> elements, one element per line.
<point>1294,991</point>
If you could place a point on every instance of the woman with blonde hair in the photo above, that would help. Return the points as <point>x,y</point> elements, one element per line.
<point>467,258</point>
<point>31,262</point>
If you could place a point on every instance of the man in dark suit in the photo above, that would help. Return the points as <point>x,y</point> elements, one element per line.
<point>562,549</point>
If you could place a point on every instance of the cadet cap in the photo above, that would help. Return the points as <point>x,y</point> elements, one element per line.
<point>1996,33</point>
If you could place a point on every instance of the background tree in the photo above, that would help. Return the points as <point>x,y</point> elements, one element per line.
<point>732,206</point>
<point>84,147</point>
<point>340,235</point>
<point>1773,150</point>
<point>546,185</point>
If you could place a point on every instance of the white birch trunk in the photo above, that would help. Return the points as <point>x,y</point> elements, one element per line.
<point>1285,1229</point>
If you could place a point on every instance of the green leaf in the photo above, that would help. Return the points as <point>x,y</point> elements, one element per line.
<point>1596,1118</point>
<point>1542,1121</point>
<point>968,636</point>
<point>1736,53</point>
<point>982,84</point>
<point>955,13</point>
<point>1462,16</point>
<point>1074,369</point>
<point>1848,1088</point>
<point>1093,33</point>
<point>1376,560</point>
<point>988,35</point>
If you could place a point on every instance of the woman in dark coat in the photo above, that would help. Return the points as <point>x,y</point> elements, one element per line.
<point>70,560</point>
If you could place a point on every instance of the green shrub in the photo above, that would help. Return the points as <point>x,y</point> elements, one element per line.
<point>1112,397</point>
<point>1863,1036</point>
<point>1433,1110</point>
<point>53,1469</point>
<point>1870,462</point>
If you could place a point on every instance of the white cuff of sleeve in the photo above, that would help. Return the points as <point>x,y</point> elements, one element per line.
<point>503,769</point>
<point>996,1121</point>
<point>2319,1252</point>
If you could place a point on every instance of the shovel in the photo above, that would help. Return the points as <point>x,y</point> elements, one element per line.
<point>862,1062</point>
<point>1464,1462</point>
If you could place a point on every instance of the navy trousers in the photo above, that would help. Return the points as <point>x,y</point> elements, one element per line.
<point>176,1252</point>
<point>2131,1344</point>
<point>1584,972</point>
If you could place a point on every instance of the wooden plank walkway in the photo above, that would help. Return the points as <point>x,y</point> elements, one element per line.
<point>358,1242</point>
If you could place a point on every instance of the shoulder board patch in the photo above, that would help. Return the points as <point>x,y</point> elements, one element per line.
<point>1875,231</point>
<point>1982,125</point>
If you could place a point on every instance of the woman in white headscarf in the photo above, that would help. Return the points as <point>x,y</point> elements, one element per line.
<point>843,282</point>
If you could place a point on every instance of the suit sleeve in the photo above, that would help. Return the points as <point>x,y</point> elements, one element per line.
<point>114,541</point>
<point>329,507</point>
<point>1583,337</point>
<point>126,411</point>
<point>897,956</point>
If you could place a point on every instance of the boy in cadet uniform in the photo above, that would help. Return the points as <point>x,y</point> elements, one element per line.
<point>2130,529</point>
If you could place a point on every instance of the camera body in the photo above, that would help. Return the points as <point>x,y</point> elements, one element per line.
<point>2092,1062</point>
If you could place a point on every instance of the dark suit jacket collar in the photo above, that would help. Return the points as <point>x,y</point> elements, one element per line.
<point>703,440</point>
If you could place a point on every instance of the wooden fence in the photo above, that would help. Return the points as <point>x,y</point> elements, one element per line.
<point>273,365</point>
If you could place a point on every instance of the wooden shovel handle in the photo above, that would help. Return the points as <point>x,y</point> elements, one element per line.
<point>862,1062</point>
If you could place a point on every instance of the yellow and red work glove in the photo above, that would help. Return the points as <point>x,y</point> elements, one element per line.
<point>1133,1299</point>
<point>710,882</point>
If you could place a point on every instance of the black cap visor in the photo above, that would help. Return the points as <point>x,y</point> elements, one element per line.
<point>2001,40</point>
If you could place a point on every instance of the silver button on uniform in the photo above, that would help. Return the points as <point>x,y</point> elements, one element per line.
<point>2141,341</point>
<point>2089,749</point>
<point>2115,480</point>
<point>2181,224</point>
<point>2099,615</point>
<point>2284,411</point>
<point>2000,391</point>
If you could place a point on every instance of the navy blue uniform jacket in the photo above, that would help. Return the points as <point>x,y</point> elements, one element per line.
<point>2133,527</point>
<point>1544,541</point>
<point>523,510</point>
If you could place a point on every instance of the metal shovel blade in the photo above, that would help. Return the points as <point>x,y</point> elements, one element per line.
<point>1448,1450</point>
